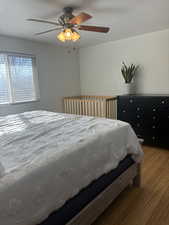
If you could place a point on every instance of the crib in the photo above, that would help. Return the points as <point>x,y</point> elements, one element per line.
<point>99,106</point>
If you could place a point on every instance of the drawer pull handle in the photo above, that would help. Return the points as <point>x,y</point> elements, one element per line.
<point>153,127</point>
<point>138,109</point>
<point>131,101</point>
<point>163,102</point>
<point>124,111</point>
<point>154,110</point>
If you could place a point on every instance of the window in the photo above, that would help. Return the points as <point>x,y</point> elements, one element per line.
<point>18,78</point>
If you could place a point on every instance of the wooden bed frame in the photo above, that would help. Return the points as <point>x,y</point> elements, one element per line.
<point>96,207</point>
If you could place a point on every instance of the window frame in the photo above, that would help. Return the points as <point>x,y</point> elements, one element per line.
<point>35,78</point>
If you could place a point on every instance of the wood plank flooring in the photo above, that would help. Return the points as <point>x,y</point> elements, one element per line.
<point>148,205</point>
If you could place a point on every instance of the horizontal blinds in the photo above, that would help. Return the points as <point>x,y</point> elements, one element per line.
<point>4,82</point>
<point>17,79</point>
<point>21,72</point>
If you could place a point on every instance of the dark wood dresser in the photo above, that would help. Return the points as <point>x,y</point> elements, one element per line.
<point>148,115</point>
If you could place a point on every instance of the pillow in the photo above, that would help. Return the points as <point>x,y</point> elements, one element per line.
<point>2,170</point>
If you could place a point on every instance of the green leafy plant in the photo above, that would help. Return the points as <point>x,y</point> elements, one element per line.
<point>128,72</point>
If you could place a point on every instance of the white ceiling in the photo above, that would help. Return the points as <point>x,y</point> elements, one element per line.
<point>125,18</point>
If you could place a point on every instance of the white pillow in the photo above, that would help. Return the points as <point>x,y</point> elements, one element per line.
<point>2,170</point>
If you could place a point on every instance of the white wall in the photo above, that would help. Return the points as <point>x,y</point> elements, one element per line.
<point>100,65</point>
<point>99,68</point>
<point>58,74</point>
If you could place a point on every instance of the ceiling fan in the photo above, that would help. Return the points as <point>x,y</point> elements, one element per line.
<point>68,24</point>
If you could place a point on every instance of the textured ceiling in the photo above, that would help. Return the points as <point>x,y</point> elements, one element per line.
<point>125,18</point>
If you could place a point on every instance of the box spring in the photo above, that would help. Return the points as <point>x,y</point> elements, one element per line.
<point>73,206</point>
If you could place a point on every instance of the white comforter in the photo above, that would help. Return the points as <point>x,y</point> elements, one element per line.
<point>1,170</point>
<point>49,157</point>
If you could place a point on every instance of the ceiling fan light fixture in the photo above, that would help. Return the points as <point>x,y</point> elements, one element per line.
<point>61,37</point>
<point>68,35</point>
<point>75,36</point>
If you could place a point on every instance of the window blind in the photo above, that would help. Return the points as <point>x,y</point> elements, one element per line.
<point>17,79</point>
<point>4,84</point>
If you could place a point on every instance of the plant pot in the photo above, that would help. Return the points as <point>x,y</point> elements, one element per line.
<point>128,88</point>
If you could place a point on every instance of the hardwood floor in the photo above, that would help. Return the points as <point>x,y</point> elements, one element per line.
<point>148,205</point>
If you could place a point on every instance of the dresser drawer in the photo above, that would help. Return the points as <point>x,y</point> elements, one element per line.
<point>158,141</point>
<point>148,115</point>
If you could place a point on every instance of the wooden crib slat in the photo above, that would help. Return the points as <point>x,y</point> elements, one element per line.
<point>78,105</point>
<point>67,106</point>
<point>104,108</point>
<point>86,107</point>
<point>109,104</point>
<point>101,106</point>
<point>70,105</point>
<point>92,108</point>
<point>74,106</point>
<point>95,108</point>
<point>64,105</point>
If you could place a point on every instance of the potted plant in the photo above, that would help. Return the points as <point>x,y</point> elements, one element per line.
<point>128,72</point>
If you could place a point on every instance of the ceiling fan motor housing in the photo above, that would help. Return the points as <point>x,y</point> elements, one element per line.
<point>64,19</point>
<point>68,10</point>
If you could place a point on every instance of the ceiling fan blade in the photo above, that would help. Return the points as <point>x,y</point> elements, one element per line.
<point>94,28</point>
<point>44,21</point>
<point>47,31</point>
<point>81,18</point>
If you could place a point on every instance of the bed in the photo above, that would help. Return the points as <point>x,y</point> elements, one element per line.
<point>63,169</point>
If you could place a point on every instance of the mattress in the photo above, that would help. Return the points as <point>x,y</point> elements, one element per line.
<point>49,157</point>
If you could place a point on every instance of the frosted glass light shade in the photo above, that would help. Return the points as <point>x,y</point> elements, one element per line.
<point>68,35</point>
